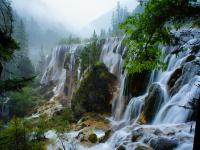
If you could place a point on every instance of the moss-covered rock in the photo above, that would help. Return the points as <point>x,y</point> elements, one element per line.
<point>153,102</point>
<point>95,91</point>
<point>93,138</point>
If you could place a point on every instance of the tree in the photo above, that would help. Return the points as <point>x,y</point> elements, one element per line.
<point>146,31</point>
<point>8,47</point>
<point>102,34</point>
<point>89,56</point>
<point>14,137</point>
<point>118,16</point>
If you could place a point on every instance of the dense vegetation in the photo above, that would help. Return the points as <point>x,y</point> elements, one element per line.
<point>147,30</point>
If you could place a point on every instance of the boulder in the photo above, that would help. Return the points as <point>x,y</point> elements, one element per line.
<point>136,135</point>
<point>189,70</point>
<point>93,138</point>
<point>153,102</point>
<point>172,80</point>
<point>106,136</point>
<point>142,147</point>
<point>95,92</point>
<point>121,148</point>
<point>135,84</point>
<point>162,143</point>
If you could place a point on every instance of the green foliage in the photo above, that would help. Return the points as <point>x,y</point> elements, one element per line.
<point>197,23</point>
<point>60,122</point>
<point>14,85</point>
<point>22,103</point>
<point>95,92</point>
<point>146,31</point>
<point>17,136</point>
<point>25,67</point>
<point>89,56</point>
<point>8,48</point>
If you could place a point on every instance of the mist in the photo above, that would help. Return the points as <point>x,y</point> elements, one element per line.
<point>73,15</point>
<point>48,21</point>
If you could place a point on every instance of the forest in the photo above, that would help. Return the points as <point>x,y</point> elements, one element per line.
<point>91,75</point>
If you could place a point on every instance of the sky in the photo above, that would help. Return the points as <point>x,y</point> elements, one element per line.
<point>73,13</point>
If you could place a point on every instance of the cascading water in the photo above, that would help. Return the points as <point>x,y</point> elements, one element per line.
<point>111,56</point>
<point>176,87</point>
<point>56,70</point>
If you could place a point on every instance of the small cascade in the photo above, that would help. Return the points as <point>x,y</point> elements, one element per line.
<point>133,109</point>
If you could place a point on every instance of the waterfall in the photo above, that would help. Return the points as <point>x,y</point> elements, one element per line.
<point>111,55</point>
<point>168,92</point>
<point>55,71</point>
<point>59,65</point>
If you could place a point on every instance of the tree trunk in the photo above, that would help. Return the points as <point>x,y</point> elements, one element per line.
<point>196,145</point>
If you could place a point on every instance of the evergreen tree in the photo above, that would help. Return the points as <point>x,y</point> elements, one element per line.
<point>8,47</point>
<point>118,16</point>
<point>102,34</point>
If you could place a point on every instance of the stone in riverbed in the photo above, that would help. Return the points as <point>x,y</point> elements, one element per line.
<point>106,136</point>
<point>153,102</point>
<point>142,147</point>
<point>93,138</point>
<point>136,135</point>
<point>162,143</point>
<point>121,148</point>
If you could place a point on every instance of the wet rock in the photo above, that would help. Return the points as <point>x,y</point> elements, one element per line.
<point>142,147</point>
<point>157,132</point>
<point>136,135</point>
<point>190,58</point>
<point>93,138</point>
<point>121,148</point>
<point>106,136</point>
<point>162,143</point>
<point>174,77</point>
<point>189,70</point>
<point>153,102</point>
<point>136,84</point>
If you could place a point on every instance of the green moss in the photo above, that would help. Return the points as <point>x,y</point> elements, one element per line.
<point>95,91</point>
<point>92,138</point>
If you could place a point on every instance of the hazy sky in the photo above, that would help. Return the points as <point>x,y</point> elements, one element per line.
<point>76,13</point>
